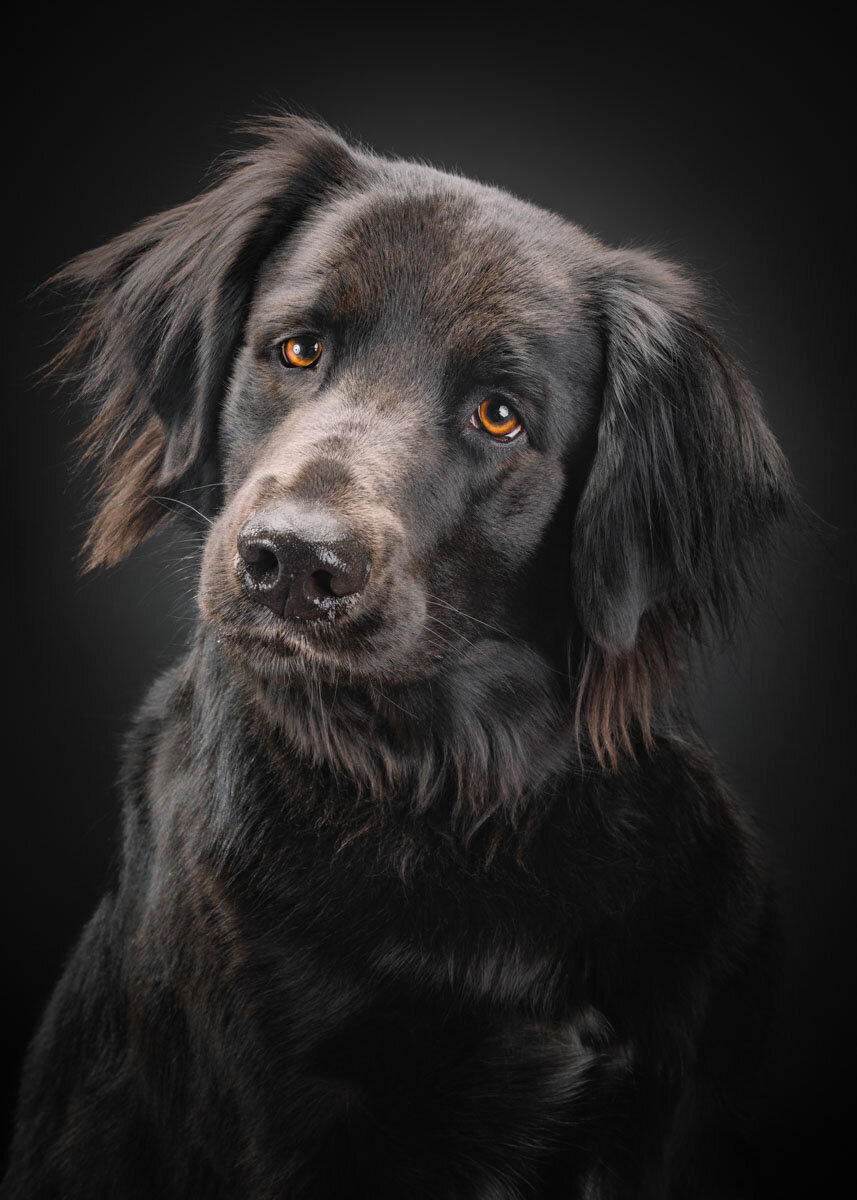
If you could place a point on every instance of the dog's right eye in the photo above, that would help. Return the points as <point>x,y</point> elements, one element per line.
<point>497,417</point>
<point>303,351</point>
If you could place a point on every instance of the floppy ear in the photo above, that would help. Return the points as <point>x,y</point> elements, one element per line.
<point>162,316</point>
<point>684,492</point>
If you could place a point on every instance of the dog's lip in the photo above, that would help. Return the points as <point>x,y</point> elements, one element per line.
<point>266,656</point>
<point>281,642</point>
<point>289,641</point>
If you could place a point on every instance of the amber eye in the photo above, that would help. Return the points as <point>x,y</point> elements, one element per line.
<point>303,351</point>
<point>497,417</point>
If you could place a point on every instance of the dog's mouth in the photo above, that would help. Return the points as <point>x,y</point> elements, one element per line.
<point>344,640</point>
<point>276,654</point>
<point>322,641</point>
<point>279,620</point>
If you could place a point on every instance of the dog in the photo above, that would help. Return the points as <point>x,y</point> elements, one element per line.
<point>428,886</point>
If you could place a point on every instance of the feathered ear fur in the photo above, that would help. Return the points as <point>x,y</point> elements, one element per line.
<point>684,492</point>
<point>162,314</point>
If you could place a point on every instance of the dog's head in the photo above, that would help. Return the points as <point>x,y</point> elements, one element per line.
<point>423,416</point>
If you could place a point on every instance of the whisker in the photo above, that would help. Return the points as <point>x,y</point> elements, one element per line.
<point>167,500</point>
<point>456,632</point>
<point>470,617</point>
<point>406,711</point>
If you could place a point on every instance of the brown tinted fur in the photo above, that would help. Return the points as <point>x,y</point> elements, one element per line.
<point>384,926</point>
<point>140,465</point>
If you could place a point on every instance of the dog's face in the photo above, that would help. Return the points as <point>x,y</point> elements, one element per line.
<point>418,368</point>
<point>427,422</point>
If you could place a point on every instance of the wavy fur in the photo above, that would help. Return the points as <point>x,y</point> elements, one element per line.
<point>435,893</point>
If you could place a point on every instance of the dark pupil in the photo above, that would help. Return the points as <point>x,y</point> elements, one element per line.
<point>304,349</point>
<point>498,413</point>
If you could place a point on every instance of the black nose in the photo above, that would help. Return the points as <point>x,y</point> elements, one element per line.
<point>297,564</point>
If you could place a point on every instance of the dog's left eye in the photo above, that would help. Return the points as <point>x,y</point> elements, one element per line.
<point>303,351</point>
<point>497,417</point>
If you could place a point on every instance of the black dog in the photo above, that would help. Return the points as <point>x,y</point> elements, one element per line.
<point>428,889</point>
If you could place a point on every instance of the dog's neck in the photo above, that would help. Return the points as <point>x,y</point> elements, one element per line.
<point>488,737</point>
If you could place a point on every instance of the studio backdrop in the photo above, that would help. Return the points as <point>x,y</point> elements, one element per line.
<point>722,152</point>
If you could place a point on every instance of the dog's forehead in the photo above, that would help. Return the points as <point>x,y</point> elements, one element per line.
<point>432,250</point>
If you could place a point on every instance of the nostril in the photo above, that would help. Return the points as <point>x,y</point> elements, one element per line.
<point>322,581</point>
<point>261,563</point>
<point>351,573</point>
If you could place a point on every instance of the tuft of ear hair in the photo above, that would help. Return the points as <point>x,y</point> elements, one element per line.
<point>684,494</point>
<point>162,310</point>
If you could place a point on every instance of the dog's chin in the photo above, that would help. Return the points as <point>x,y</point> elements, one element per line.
<point>379,642</point>
<point>296,651</point>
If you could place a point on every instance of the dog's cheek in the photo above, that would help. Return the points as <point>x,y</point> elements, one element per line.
<point>498,531</point>
<point>218,595</point>
<point>513,518</point>
<point>252,412</point>
<point>398,642</point>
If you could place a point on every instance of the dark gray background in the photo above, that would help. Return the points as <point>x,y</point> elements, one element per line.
<point>723,146</point>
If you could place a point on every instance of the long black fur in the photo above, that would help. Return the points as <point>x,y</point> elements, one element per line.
<point>442,896</point>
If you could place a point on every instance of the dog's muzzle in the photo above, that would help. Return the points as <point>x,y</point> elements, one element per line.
<point>297,561</point>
